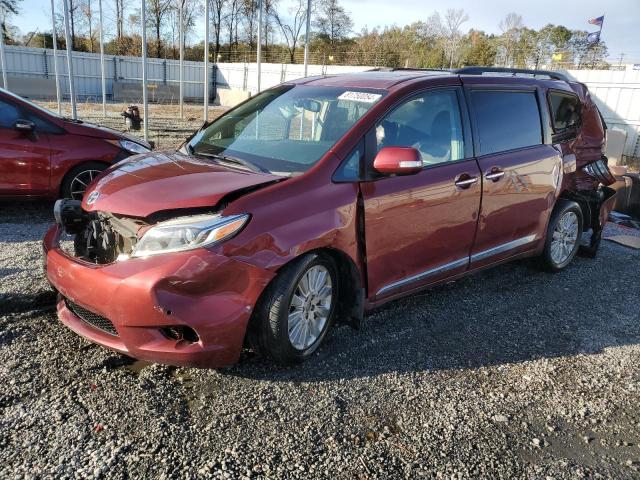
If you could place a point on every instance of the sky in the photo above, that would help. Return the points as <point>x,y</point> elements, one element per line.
<point>621,30</point>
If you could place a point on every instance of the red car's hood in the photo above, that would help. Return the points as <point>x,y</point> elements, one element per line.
<point>151,182</point>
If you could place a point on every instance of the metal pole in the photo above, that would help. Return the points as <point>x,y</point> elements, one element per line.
<point>182,59</point>
<point>145,104</point>
<point>67,36</point>
<point>55,55</point>
<point>306,39</point>
<point>3,62</point>
<point>259,49</point>
<point>104,87</point>
<point>206,60</point>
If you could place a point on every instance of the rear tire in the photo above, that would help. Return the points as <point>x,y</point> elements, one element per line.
<point>78,178</point>
<point>563,236</point>
<point>296,310</point>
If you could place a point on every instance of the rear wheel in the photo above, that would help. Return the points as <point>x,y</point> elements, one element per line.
<point>296,310</point>
<point>76,181</point>
<point>563,236</point>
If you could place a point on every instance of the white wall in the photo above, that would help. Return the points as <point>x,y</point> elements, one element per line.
<point>617,94</point>
<point>38,62</point>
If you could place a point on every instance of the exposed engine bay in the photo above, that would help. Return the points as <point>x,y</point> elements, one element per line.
<point>99,237</point>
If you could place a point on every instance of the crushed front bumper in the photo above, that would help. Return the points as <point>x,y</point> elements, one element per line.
<point>210,293</point>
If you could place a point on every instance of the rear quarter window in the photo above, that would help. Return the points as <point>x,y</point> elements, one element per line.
<point>506,120</point>
<point>565,111</point>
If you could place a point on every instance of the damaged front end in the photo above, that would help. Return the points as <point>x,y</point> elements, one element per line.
<point>98,237</point>
<point>103,238</point>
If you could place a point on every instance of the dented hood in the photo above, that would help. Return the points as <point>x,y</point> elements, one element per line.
<point>151,182</point>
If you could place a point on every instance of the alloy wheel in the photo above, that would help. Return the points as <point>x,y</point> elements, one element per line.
<point>310,307</point>
<point>80,182</point>
<point>565,237</point>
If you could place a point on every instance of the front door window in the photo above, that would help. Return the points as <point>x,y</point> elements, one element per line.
<point>429,122</point>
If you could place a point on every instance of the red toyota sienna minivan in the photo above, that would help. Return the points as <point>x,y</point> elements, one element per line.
<point>319,199</point>
<point>44,155</point>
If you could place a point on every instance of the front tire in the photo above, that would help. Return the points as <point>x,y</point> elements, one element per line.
<point>563,236</point>
<point>78,178</point>
<point>296,310</point>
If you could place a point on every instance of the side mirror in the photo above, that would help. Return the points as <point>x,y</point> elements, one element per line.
<point>398,161</point>
<point>24,125</point>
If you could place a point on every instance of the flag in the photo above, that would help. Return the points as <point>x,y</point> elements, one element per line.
<point>597,21</point>
<point>593,37</point>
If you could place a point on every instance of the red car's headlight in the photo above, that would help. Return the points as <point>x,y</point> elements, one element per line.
<point>187,233</point>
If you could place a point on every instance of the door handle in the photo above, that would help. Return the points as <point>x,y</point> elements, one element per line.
<point>494,174</point>
<point>465,181</point>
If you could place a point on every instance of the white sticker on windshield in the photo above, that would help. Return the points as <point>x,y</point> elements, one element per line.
<point>360,97</point>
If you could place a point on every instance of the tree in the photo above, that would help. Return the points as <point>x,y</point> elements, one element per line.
<point>511,27</point>
<point>249,13</point>
<point>479,49</point>
<point>87,11</point>
<point>552,41</point>
<point>453,20</point>
<point>190,10</point>
<point>7,8</point>
<point>74,5</point>
<point>217,12</point>
<point>292,27</point>
<point>157,10</point>
<point>333,22</point>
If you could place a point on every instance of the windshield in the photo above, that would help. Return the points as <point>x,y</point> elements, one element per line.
<point>31,104</point>
<point>286,129</point>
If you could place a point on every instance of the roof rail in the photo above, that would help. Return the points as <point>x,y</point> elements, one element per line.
<point>512,71</point>
<point>408,69</point>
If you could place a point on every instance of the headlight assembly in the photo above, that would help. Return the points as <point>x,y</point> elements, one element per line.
<point>187,233</point>
<point>129,146</point>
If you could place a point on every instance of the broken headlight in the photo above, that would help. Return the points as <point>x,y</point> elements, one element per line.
<point>187,233</point>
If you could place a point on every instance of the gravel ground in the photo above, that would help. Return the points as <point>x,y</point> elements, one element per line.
<point>511,373</point>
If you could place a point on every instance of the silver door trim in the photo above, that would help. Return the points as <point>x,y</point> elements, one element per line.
<point>502,248</point>
<point>423,275</point>
<point>457,263</point>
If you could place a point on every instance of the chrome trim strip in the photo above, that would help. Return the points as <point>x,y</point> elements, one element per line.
<point>502,248</point>
<point>458,263</point>
<point>423,275</point>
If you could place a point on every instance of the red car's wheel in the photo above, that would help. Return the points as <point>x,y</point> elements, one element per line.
<point>78,179</point>
<point>296,310</point>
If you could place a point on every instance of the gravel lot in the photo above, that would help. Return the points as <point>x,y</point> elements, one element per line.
<point>512,373</point>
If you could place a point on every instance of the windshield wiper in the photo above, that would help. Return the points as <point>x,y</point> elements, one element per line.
<point>233,160</point>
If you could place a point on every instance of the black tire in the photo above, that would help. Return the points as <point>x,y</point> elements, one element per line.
<point>66,188</point>
<point>269,332</point>
<point>546,260</point>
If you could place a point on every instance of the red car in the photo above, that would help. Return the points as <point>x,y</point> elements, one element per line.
<point>43,155</point>
<point>320,199</point>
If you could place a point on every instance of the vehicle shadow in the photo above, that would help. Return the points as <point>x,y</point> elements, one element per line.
<point>509,314</point>
<point>25,212</point>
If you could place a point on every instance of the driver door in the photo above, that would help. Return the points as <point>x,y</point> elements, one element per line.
<point>419,228</point>
<point>24,156</point>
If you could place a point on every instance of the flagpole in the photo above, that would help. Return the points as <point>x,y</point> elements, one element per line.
<point>597,45</point>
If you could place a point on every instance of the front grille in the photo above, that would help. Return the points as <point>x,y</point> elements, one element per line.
<point>93,319</point>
